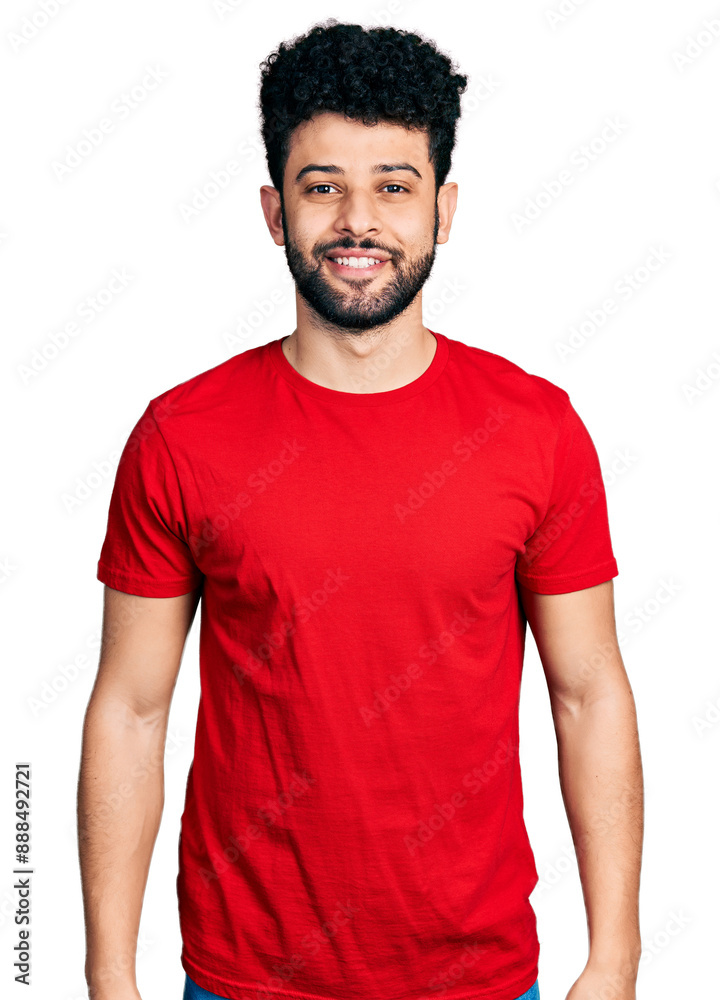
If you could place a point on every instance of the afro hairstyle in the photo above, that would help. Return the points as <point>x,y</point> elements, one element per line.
<point>369,75</point>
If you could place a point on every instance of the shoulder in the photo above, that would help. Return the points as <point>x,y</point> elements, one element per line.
<point>508,381</point>
<point>210,391</point>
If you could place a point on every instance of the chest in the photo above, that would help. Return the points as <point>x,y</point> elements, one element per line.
<point>448,503</point>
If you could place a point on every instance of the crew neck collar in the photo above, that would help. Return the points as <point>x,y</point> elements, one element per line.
<point>299,381</point>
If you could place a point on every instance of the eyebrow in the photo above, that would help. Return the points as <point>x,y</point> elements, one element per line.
<point>379,168</point>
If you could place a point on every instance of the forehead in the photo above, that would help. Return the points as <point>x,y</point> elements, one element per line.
<point>332,138</point>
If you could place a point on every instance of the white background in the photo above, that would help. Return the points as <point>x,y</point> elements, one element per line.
<point>540,88</point>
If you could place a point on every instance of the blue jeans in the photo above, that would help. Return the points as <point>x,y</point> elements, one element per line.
<point>195,992</point>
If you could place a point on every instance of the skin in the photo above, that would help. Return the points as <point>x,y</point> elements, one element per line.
<point>601,778</point>
<point>344,325</point>
<point>364,320</point>
<point>121,782</point>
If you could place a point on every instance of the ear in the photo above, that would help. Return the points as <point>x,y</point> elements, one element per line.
<point>447,203</point>
<point>272,210</point>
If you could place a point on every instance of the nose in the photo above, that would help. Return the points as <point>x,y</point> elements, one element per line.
<point>357,215</point>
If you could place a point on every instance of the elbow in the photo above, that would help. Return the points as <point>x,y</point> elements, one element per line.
<point>605,694</point>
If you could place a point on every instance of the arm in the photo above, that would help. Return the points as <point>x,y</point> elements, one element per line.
<point>121,782</point>
<point>600,774</point>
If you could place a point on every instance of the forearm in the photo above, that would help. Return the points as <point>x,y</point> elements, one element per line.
<point>602,786</point>
<point>120,802</point>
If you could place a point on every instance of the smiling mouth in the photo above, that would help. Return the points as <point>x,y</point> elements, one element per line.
<point>360,269</point>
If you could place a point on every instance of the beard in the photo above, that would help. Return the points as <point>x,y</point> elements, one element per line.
<point>358,309</point>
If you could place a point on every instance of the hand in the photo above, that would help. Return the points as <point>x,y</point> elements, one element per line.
<point>605,983</point>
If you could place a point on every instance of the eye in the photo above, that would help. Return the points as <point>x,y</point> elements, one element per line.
<point>316,186</point>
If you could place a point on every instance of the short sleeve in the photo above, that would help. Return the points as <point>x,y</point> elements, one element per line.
<point>571,548</point>
<point>145,551</point>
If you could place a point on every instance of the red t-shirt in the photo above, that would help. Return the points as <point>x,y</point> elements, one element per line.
<point>353,822</point>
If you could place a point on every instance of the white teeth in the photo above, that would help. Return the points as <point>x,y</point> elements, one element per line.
<point>357,261</point>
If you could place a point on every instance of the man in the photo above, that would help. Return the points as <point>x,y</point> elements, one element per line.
<point>370,512</point>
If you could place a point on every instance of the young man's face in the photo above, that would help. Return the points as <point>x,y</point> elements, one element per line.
<point>391,214</point>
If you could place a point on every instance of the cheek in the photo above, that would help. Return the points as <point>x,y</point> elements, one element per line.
<point>417,243</point>
<point>413,229</point>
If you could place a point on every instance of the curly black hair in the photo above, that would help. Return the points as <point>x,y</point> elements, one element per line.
<point>367,74</point>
